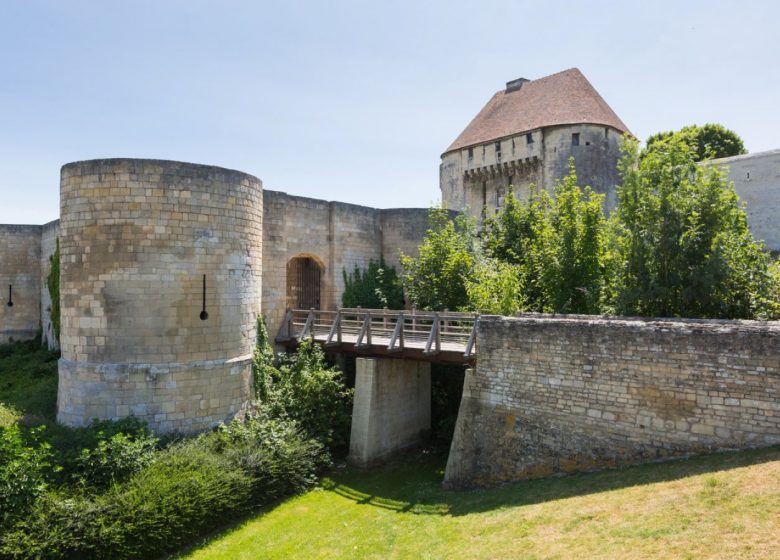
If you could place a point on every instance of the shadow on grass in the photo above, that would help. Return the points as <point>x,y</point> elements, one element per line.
<point>415,485</point>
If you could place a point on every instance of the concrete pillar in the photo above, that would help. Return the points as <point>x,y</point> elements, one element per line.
<point>392,409</point>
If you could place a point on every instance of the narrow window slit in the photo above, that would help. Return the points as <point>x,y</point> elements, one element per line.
<point>204,314</point>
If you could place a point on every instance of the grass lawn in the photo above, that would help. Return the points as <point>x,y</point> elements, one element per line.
<point>720,506</point>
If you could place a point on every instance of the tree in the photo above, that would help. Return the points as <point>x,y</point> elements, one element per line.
<point>436,280</point>
<point>683,247</point>
<point>496,288</point>
<point>375,287</point>
<point>557,244</point>
<point>709,141</point>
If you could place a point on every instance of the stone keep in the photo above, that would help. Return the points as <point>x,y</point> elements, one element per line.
<point>526,136</point>
<point>138,237</point>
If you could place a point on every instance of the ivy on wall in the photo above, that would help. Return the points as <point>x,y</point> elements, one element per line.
<point>53,283</point>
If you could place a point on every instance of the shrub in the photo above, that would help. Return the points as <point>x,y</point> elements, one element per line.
<point>306,390</point>
<point>115,459</point>
<point>23,469</point>
<point>192,487</point>
<point>76,449</point>
<point>375,287</point>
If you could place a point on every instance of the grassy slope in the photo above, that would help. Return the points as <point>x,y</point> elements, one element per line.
<point>28,383</point>
<point>721,506</point>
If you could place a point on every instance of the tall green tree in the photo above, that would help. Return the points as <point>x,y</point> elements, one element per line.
<point>557,244</point>
<point>709,141</point>
<point>436,280</point>
<point>683,247</point>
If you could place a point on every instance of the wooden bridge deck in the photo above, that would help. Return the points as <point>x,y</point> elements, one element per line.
<point>436,337</point>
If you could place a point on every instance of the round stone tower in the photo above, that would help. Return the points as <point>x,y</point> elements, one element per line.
<point>160,292</point>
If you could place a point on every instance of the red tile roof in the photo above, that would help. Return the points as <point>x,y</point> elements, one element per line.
<point>563,98</point>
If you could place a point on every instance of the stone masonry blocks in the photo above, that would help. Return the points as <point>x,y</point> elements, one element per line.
<point>137,238</point>
<point>392,408</point>
<point>558,394</point>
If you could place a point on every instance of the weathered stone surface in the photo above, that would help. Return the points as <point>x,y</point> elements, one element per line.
<point>337,236</point>
<point>20,269</point>
<point>392,408</point>
<point>558,394</point>
<point>757,182</point>
<point>137,238</point>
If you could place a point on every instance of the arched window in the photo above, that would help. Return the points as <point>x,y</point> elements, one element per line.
<point>304,279</point>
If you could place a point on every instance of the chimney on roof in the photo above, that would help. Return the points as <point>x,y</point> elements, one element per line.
<point>515,85</point>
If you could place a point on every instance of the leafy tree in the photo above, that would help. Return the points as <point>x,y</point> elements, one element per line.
<point>572,273</point>
<point>683,247</point>
<point>558,245</point>
<point>496,288</point>
<point>437,279</point>
<point>375,287</point>
<point>515,235</point>
<point>709,141</point>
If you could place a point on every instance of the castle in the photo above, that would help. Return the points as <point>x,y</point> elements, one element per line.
<point>165,266</point>
<point>526,134</point>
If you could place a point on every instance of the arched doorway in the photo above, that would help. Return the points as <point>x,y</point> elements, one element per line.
<point>304,280</point>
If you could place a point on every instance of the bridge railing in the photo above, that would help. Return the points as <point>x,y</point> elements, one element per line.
<point>431,332</point>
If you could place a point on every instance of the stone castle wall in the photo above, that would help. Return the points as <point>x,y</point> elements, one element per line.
<point>20,255</point>
<point>337,236</point>
<point>559,394</point>
<point>137,238</point>
<point>757,181</point>
<point>541,162</point>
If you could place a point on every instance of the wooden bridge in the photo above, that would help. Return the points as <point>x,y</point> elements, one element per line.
<point>428,336</point>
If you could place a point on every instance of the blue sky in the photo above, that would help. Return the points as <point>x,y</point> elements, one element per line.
<point>351,101</point>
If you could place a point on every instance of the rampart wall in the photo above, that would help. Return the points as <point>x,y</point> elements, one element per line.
<point>559,394</point>
<point>337,236</point>
<point>757,182</point>
<point>20,282</point>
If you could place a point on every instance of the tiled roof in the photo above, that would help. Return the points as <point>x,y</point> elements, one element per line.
<point>563,98</point>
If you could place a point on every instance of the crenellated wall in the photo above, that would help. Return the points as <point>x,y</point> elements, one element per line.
<point>558,394</point>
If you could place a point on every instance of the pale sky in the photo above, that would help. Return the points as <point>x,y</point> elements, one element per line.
<point>350,101</point>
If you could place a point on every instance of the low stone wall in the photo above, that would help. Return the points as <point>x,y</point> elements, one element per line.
<point>558,394</point>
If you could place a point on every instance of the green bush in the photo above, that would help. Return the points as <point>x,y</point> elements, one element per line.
<point>76,449</point>
<point>23,469</point>
<point>375,287</point>
<point>115,459</point>
<point>192,487</point>
<point>306,390</point>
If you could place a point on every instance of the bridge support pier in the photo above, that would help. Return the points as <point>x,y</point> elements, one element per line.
<point>392,408</point>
